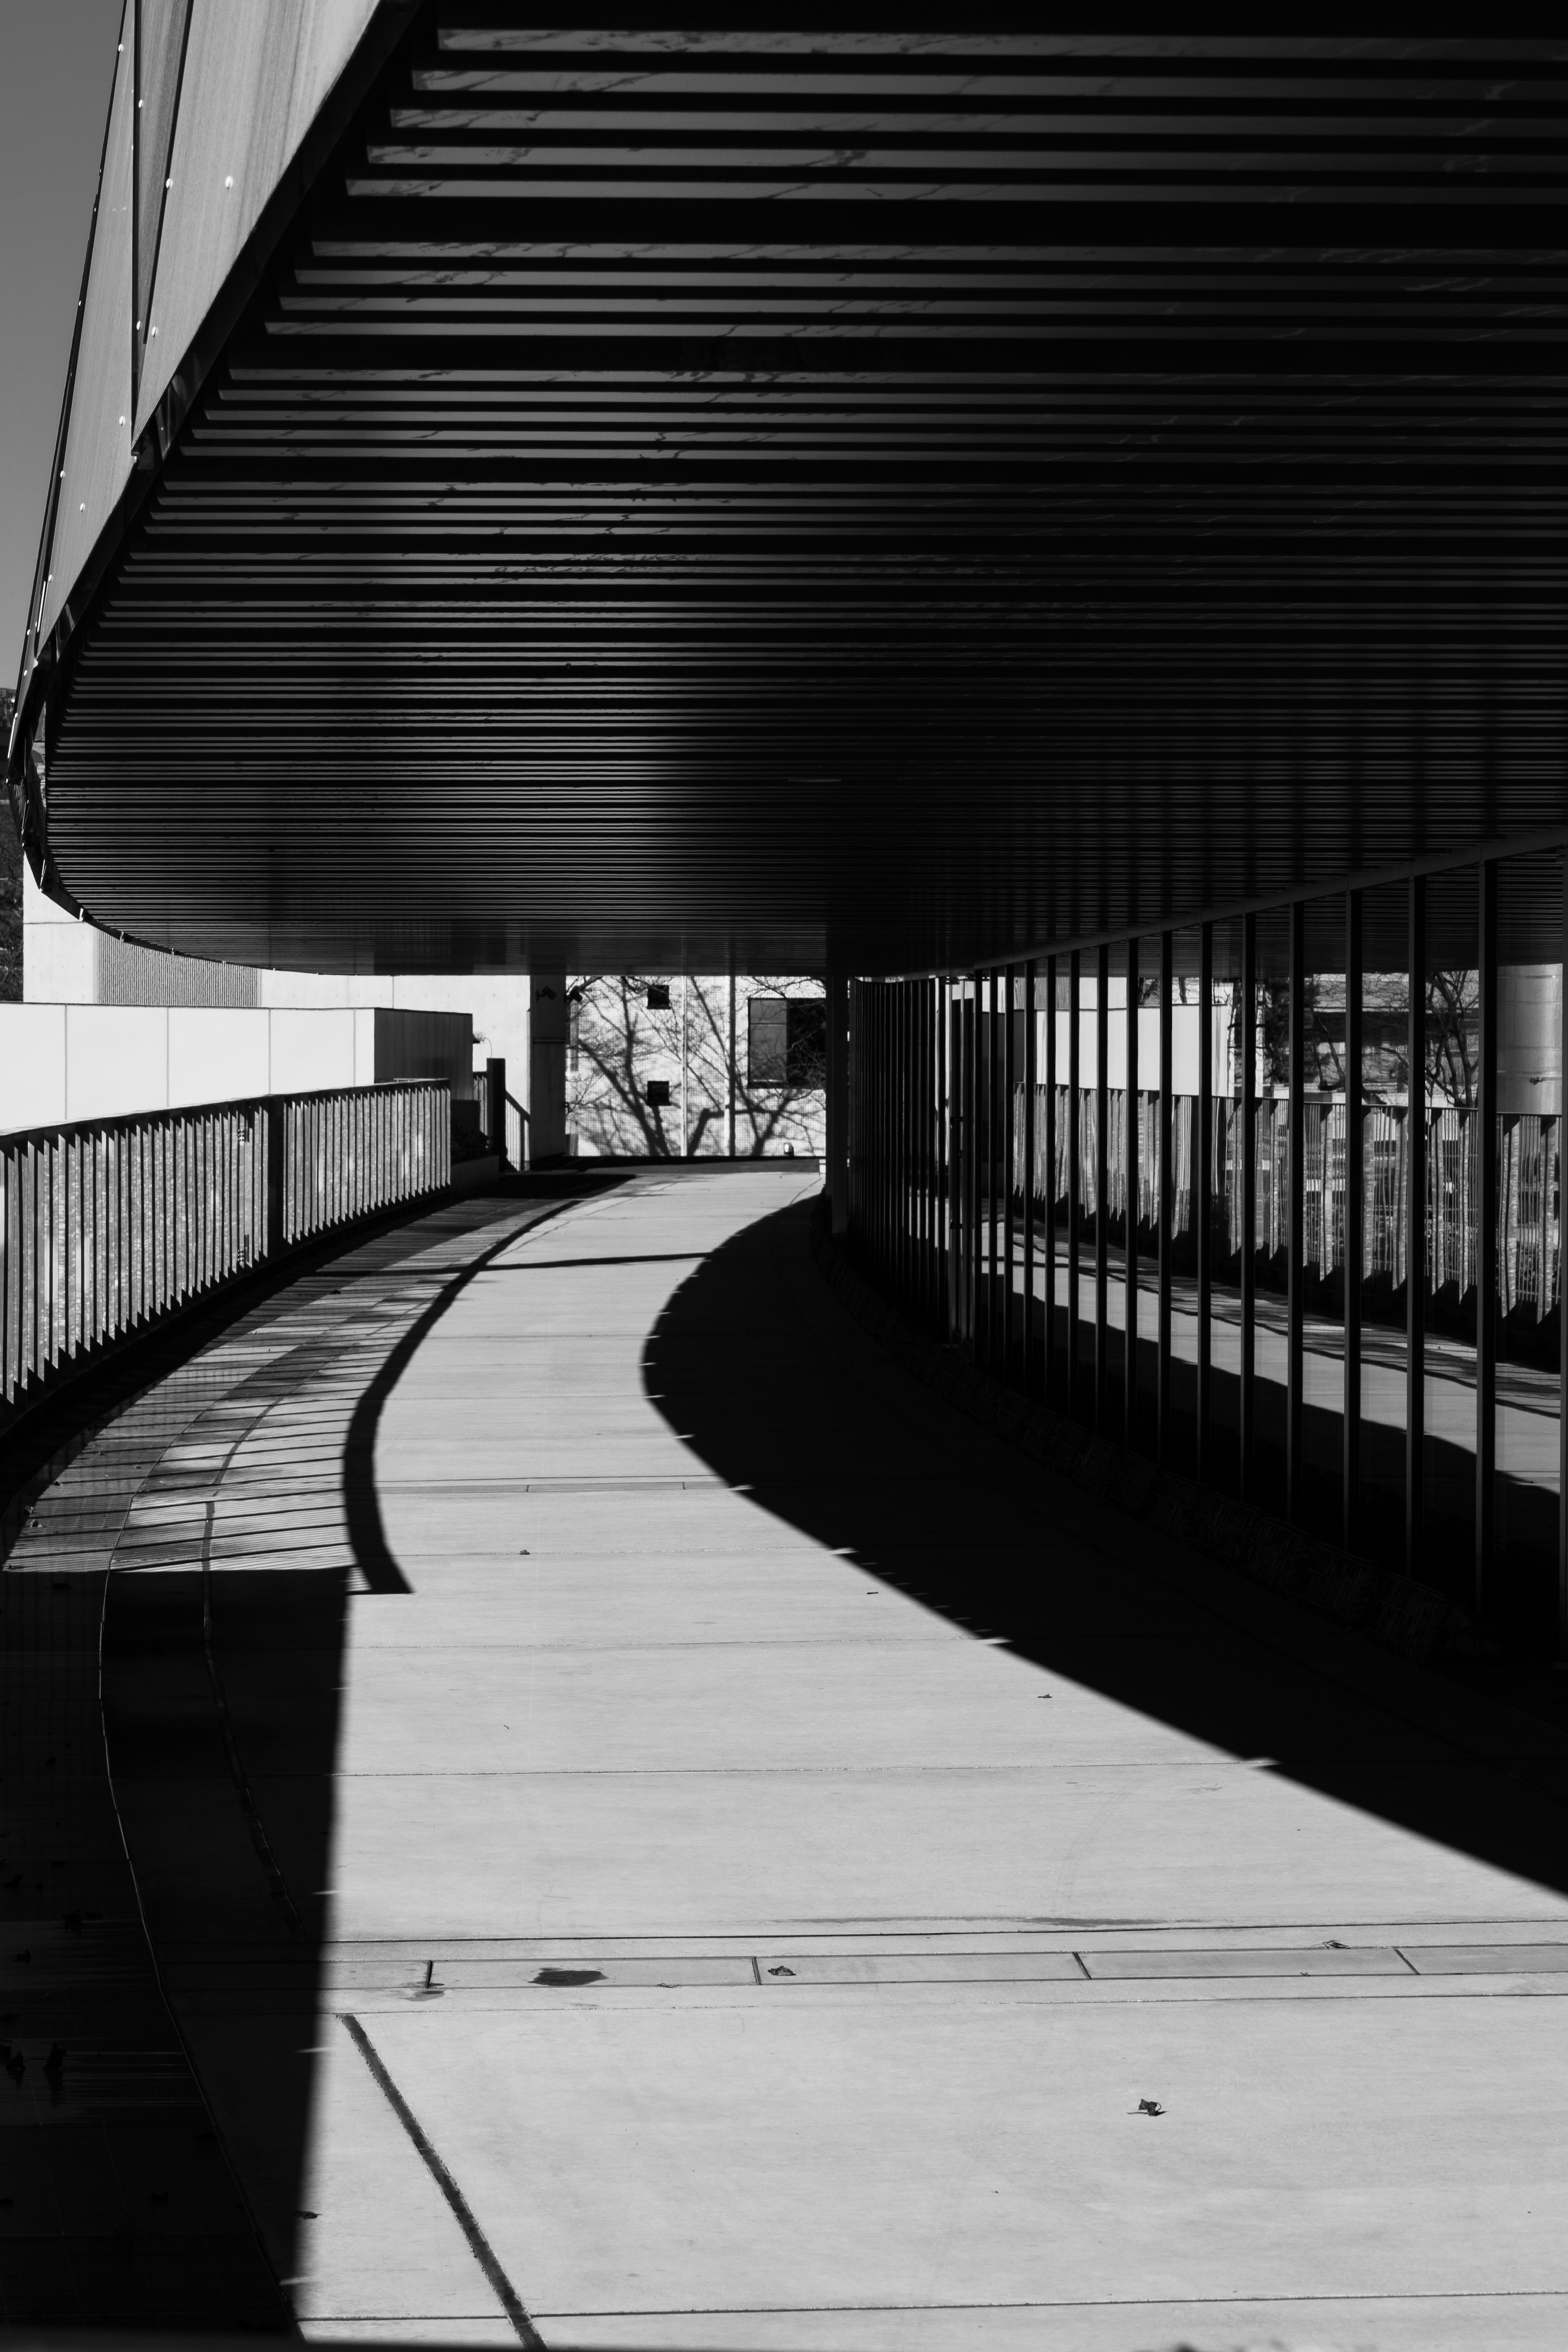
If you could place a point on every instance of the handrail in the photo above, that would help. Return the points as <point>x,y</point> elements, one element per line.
<point>129,1118</point>
<point>109,1227</point>
<point>510,1104</point>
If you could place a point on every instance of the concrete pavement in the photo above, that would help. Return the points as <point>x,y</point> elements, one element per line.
<point>755,1845</point>
<point>848,1889</point>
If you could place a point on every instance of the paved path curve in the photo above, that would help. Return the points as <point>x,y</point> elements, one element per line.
<point>754,1846</point>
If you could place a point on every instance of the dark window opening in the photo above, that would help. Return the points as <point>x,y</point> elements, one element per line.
<point>786,1042</point>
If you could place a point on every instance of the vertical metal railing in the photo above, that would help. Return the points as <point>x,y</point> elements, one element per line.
<point>108,1226</point>
<point>1277,1202</point>
<point>1352,1224</point>
<point>1131,1159</point>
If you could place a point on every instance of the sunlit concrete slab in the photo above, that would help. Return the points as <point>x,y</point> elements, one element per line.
<point>697,1862</point>
<point>759,1851</point>
<point>760,2154</point>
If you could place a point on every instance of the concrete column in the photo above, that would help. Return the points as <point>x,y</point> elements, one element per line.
<point>838,1106</point>
<point>547,1017</point>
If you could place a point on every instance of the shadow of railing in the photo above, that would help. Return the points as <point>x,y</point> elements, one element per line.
<point>223,1580</point>
<point>776,1390</point>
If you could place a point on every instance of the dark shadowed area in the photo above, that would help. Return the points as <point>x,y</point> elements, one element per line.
<point>172,1641</point>
<point>780,1392</point>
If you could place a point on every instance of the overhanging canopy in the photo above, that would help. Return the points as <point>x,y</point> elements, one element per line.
<point>642,498</point>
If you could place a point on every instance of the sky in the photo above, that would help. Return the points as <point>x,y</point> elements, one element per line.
<point>54,100</point>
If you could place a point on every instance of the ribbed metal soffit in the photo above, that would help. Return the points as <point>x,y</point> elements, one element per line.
<point>901,498</point>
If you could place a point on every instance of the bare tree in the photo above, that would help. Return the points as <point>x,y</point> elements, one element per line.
<point>612,1041</point>
<point>1450,1034</point>
<point>621,1045</point>
<point>1453,1036</point>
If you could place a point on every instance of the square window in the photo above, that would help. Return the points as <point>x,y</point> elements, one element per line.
<point>659,996</point>
<point>656,1094</point>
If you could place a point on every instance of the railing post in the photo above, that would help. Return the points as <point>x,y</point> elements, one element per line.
<point>1075,1180</point>
<point>993,1330</point>
<point>9,1268</point>
<point>1031,1115</point>
<point>1247,1467</point>
<point>925,1156</point>
<point>1101,1188</point>
<point>972,1167</point>
<point>1562,1304</point>
<point>1131,1168</point>
<point>900,1061</point>
<point>1163,1428</point>
<point>1049,1386</point>
<point>949,1071</point>
<point>1296,1178</point>
<point>1203,1213</point>
<point>1355,1218</point>
<point>276,1121</point>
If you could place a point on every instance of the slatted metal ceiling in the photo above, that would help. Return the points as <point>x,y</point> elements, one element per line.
<point>899,498</point>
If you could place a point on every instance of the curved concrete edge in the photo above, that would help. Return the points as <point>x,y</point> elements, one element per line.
<point>1390,1609</point>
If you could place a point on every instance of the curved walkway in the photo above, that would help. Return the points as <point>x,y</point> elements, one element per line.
<point>657,1833</point>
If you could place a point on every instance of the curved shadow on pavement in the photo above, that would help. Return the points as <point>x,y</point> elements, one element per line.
<point>222,1671</point>
<point>362,1505</point>
<point>779,1391</point>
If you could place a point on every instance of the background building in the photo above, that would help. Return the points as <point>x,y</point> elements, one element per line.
<point>705,1066</point>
